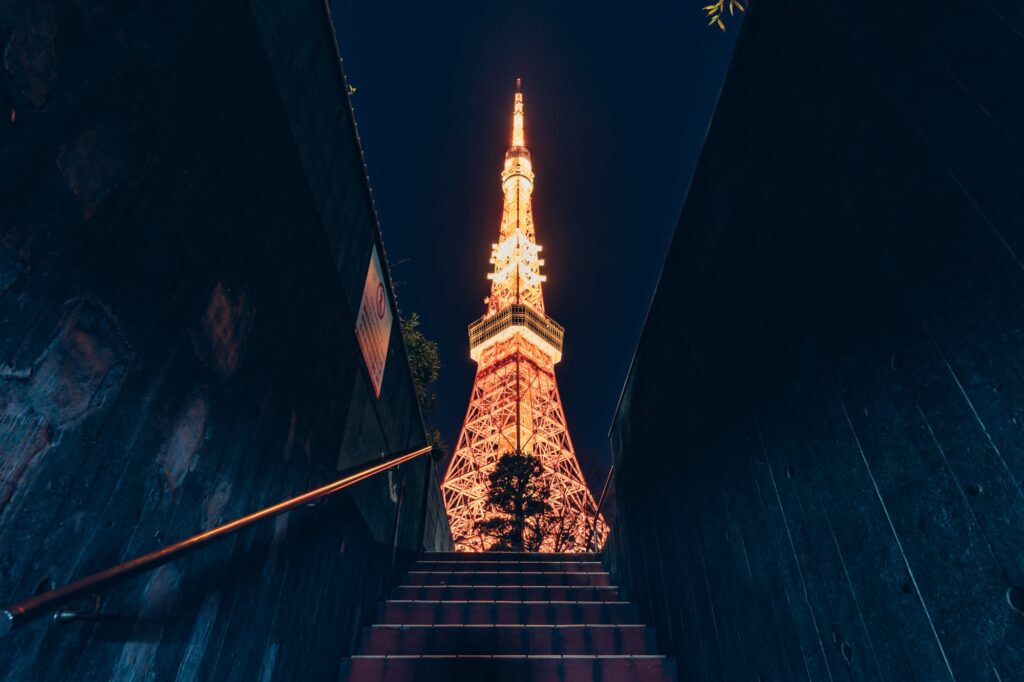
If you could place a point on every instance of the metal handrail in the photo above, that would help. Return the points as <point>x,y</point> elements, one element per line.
<point>22,612</point>
<point>600,504</point>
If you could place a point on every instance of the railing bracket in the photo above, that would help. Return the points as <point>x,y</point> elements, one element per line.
<point>71,615</point>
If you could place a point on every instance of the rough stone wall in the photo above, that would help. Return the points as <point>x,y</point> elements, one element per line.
<point>185,228</point>
<point>820,445</point>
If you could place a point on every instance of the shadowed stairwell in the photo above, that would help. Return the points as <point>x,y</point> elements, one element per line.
<point>819,448</point>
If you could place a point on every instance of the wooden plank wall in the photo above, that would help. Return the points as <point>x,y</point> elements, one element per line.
<point>820,445</point>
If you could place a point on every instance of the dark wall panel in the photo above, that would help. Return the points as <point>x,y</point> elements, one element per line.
<point>179,279</point>
<point>820,449</point>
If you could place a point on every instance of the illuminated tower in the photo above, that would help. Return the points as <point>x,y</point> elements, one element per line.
<point>514,406</point>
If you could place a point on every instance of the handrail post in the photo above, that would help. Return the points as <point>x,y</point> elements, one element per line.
<point>398,514</point>
<point>592,539</point>
<point>430,473</point>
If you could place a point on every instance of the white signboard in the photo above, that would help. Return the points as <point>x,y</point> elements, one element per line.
<point>373,325</point>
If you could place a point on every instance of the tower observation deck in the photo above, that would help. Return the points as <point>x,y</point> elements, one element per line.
<point>515,406</point>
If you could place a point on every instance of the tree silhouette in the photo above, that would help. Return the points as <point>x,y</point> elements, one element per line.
<point>518,495</point>
<point>564,531</point>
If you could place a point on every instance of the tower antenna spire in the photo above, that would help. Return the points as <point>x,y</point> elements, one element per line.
<point>518,117</point>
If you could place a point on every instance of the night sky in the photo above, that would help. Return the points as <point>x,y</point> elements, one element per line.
<point>617,103</point>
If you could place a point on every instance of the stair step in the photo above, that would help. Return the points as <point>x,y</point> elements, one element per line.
<point>510,669</point>
<point>398,612</point>
<point>509,556</point>
<point>507,593</point>
<point>507,639</point>
<point>415,577</point>
<point>507,617</point>
<point>545,566</point>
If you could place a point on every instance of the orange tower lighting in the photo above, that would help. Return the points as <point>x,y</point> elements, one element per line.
<point>515,406</point>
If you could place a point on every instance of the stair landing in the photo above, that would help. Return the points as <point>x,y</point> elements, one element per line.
<point>507,616</point>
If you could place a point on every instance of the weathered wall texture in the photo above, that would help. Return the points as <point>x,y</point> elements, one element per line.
<point>185,228</point>
<point>821,442</point>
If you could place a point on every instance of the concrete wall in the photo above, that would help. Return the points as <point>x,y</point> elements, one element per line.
<point>185,228</point>
<point>820,444</point>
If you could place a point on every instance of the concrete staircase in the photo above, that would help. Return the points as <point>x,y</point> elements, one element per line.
<point>507,616</point>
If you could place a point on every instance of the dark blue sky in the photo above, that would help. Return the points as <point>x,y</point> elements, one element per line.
<point>618,99</point>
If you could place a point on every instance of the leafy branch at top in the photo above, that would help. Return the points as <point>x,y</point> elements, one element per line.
<point>715,11</point>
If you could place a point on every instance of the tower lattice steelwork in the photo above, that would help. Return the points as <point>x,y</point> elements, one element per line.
<point>515,406</point>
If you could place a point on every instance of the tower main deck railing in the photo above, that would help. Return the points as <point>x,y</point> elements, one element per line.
<point>91,586</point>
<point>516,315</point>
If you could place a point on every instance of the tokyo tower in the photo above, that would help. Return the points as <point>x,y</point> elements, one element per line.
<point>515,406</point>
